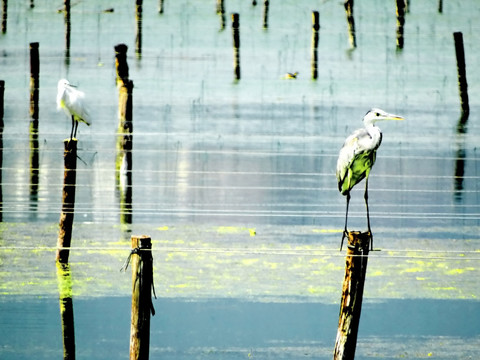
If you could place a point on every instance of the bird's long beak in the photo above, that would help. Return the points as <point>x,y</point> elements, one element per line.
<point>393,117</point>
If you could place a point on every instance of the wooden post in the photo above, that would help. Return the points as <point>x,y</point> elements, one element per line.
<point>138,16</point>
<point>315,28</point>
<point>64,277</point>
<point>462,74</point>
<point>124,151</point>
<point>2,92</point>
<point>121,64</point>
<point>68,27</point>
<point>221,13</point>
<point>68,201</point>
<point>348,4</point>
<point>265,13</point>
<point>160,6</point>
<point>440,6</point>
<point>352,295</point>
<point>236,44</point>
<point>34,80</point>
<point>401,6</point>
<point>4,15</point>
<point>142,280</point>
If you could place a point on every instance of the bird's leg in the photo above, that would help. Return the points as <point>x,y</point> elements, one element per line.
<point>76,127</point>
<point>73,125</point>
<point>345,231</point>
<point>368,214</point>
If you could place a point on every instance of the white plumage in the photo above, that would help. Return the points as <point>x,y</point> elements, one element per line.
<point>71,101</point>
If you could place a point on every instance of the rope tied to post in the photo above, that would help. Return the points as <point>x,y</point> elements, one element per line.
<point>127,262</point>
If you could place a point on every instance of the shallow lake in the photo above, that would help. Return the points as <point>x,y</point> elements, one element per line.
<point>235,180</point>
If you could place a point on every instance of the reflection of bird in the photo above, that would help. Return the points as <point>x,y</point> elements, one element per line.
<point>357,157</point>
<point>71,101</point>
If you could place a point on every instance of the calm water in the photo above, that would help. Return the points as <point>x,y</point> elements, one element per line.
<point>235,181</point>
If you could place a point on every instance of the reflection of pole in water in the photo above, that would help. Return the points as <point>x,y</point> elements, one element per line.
<point>265,13</point>
<point>459,172</point>
<point>400,23</point>
<point>68,201</point>
<point>348,4</point>
<point>221,13</point>
<point>34,115</point>
<point>236,44</point>
<point>138,17</point>
<point>315,28</point>
<point>4,15</point>
<point>462,77</point>
<point>64,277</point>
<point>2,92</point>
<point>68,26</point>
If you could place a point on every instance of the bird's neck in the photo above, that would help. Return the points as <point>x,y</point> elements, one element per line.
<point>374,132</point>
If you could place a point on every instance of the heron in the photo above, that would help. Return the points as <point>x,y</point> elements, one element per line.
<point>357,157</point>
<point>71,101</point>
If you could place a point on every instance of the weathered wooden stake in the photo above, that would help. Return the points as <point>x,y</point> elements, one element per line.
<point>68,28</point>
<point>124,150</point>
<point>440,6</point>
<point>315,28</point>
<point>142,282</point>
<point>160,6</point>
<point>221,13</point>
<point>2,94</point>
<point>34,80</point>
<point>138,16</point>
<point>64,277</point>
<point>462,74</point>
<point>4,15</point>
<point>68,201</point>
<point>352,295</point>
<point>236,44</point>
<point>401,7</point>
<point>265,13</point>
<point>121,64</point>
<point>348,4</point>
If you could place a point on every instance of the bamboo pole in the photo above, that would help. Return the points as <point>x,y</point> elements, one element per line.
<point>315,28</point>
<point>352,295</point>
<point>142,282</point>
<point>348,4</point>
<point>236,44</point>
<point>68,201</point>
<point>462,75</point>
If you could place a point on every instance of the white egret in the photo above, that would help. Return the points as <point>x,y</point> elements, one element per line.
<point>71,101</point>
<point>357,157</point>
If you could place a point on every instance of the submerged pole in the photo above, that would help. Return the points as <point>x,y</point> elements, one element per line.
<point>221,13</point>
<point>236,44</point>
<point>462,74</point>
<point>4,15</point>
<point>142,307</point>
<point>161,6</point>
<point>68,200</point>
<point>315,28</point>
<point>352,295</point>
<point>2,92</point>
<point>34,80</point>
<point>266,4</point>
<point>34,116</point>
<point>121,64</point>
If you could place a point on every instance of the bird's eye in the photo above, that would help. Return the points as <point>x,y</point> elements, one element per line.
<point>377,114</point>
